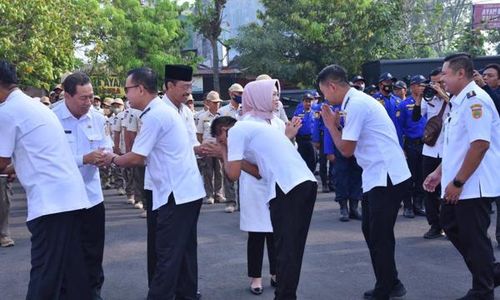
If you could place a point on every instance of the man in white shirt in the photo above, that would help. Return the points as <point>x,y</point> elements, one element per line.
<point>88,138</point>
<point>431,155</point>
<point>177,186</point>
<point>291,191</point>
<point>33,137</point>
<point>362,128</point>
<point>468,173</point>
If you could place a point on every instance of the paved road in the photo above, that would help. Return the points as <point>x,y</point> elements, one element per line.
<point>336,263</point>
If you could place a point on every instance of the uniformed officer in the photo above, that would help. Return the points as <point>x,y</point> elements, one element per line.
<point>432,154</point>
<point>88,136</point>
<point>106,173</point>
<point>5,196</point>
<point>304,136</point>
<point>368,134</point>
<point>348,190</point>
<point>232,109</point>
<point>118,174</point>
<point>371,90</point>
<point>358,82</point>
<point>400,89</point>
<point>325,167</point>
<point>120,128</point>
<point>96,104</point>
<point>176,182</point>
<point>469,173</point>
<point>389,100</point>
<point>212,167</point>
<point>413,132</point>
<point>35,140</point>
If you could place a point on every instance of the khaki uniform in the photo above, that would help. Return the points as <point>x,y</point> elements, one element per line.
<point>211,168</point>
<point>5,195</point>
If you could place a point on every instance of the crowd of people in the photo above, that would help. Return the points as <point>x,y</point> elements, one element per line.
<point>378,146</point>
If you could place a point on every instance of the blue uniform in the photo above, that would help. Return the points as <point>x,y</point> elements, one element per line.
<point>326,174</point>
<point>410,128</point>
<point>348,179</point>
<point>304,138</point>
<point>412,133</point>
<point>391,106</point>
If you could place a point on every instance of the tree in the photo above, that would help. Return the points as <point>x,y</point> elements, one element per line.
<point>317,33</point>
<point>131,35</point>
<point>39,37</point>
<point>207,21</point>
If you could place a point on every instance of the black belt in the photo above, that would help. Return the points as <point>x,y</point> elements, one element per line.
<point>416,141</point>
<point>306,137</point>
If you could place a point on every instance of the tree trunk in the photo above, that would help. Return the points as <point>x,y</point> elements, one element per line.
<point>215,65</point>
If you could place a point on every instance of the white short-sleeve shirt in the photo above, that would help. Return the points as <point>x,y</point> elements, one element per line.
<point>377,151</point>
<point>85,135</point>
<point>34,138</point>
<point>171,163</point>
<point>188,118</point>
<point>276,157</point>
<point>473,117</point>
<point>430,109</point>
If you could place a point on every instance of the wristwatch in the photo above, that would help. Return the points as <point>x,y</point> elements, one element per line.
<point>457,183</point>
<point>113,164</point>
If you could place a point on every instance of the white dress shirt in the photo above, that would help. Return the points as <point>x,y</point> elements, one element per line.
<point>377,151</point>
<point>188,118</point>
<point>34,138</point>
<point>276,157</point>
<point>85,135</point>
<point>473,117</point>
<point>171,163</point>
<point>430,109</point>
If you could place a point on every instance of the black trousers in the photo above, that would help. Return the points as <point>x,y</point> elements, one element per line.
<point>255,253</point>
<point>58,269</point>
<point>291,216</point>
<point>307,152</point>
<point>432,200</point>
<point>415,197</point>
<point>176,272</point>
<point>466,225</point>
<point>497,231</point>
<point>151,235</point>
<point>323,162</point>
<point>379,210</point>
<point>93,246</point>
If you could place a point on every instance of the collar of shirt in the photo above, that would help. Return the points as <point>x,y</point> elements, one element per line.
<point>348,95</point>
<point>171,103</point>
<point>156,101</point>
<point>66,114</point>
<point>458,99</point>
<point>12,94</point>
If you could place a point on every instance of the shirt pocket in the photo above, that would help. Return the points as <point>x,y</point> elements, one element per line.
<point>95,139</point>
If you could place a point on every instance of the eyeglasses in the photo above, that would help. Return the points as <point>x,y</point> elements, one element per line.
<point>130,87</point>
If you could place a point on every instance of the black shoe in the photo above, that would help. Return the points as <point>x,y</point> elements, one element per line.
<point>419,211</point>
<point>433,233</point>
<point>344,215</point>
<point>354,214</point>
<point>398,291</point>
<point>408,213</point>
<point>198,295</point>
<point>325,189</point>
<point>256,290</point>
<point>274,283</point>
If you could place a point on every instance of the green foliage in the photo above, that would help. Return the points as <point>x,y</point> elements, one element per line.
<point>295,39</point>
<point>41,37</point>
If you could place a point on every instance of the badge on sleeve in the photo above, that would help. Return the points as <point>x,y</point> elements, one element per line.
<point>398,113</point>
<point>477,111</point>
<point>471,94</point>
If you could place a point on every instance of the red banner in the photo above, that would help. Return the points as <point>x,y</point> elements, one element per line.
<point>486,16</point>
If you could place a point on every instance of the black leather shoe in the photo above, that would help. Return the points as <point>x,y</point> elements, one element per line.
<point>398,291</point>
<point>419,212</point>
<point>433,233</point>
<point>256,290</point>
<point>344,215</point>
<point>274,283</point>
